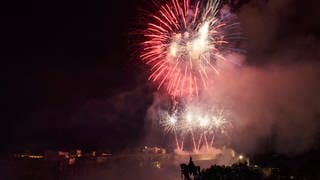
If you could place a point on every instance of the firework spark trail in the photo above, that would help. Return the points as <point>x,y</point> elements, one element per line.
<point>193,141</point>
<point>212,139</point>
<point>206,141</point>
<point>176,138</point>
<point>199,142</point>
<point>189,125</point>
<point>182,143</point>
<point>182,44</point>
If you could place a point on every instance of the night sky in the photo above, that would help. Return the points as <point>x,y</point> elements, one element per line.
<point>69,78</point>
<point>57,57</point>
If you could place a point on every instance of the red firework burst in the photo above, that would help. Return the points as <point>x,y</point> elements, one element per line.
<point>183,42</point>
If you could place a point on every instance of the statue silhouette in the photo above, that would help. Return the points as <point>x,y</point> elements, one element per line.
<point>190,170</point>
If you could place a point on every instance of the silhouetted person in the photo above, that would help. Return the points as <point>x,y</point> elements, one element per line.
<point>185,174</point>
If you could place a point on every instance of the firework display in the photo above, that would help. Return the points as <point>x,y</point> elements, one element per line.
<point>185,41</point>
<point>184,44</point>
<point>201,125</point>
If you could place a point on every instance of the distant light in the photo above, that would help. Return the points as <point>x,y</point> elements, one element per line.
<point>157,164</point>
<point>31,156</point>
<point>240,157</point>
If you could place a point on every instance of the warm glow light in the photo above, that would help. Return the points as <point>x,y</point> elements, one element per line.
<point>32,156</point>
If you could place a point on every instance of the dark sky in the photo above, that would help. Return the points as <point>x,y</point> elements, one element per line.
<point>56,57</point>
<point>69,79</point>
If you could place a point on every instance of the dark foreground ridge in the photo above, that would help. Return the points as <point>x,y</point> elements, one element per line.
<point>241,171</point>
<point>153,164</point>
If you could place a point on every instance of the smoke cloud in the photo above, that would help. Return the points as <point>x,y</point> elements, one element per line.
<point>275,103</point>
<point>274,95</point>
